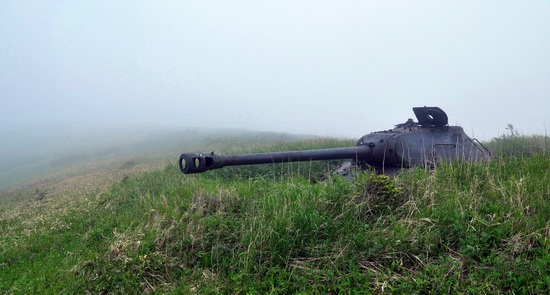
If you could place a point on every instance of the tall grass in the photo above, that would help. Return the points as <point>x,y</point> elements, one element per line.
<point>515,144</point>
<point>464,227</point>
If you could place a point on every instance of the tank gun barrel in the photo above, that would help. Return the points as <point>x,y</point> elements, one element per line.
<point>201,162</point>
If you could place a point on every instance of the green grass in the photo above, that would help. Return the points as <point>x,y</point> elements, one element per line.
<point>516,145</point>
<point>463,228</point>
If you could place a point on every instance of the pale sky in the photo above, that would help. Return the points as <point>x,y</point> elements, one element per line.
<point>336,68</point>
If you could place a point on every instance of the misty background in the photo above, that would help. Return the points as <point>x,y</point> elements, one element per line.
<point>76,73</point>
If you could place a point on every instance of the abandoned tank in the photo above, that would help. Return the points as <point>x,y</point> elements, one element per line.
<point>426,143</point>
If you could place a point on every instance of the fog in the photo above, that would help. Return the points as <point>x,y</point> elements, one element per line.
<point>334,68</point>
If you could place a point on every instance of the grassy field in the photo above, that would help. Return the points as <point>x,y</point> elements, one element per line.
<point>462,228</point>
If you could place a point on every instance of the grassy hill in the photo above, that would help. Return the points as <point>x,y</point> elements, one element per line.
<point>464,228</point>
<point>47,155</point>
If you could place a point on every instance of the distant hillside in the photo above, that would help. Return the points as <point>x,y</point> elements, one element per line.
<point>41,153</point>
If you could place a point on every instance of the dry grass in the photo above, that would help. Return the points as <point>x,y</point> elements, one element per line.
<point>67,190</point>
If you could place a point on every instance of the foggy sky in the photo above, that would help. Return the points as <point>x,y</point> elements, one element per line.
<point>336,68</point>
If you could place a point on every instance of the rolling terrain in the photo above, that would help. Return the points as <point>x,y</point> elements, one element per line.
<point>135,224</point>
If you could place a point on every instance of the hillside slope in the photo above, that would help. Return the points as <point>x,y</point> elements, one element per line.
<point>468,228</point>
